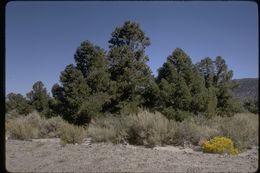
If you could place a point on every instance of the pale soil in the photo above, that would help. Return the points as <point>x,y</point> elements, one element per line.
<point>50,156</point>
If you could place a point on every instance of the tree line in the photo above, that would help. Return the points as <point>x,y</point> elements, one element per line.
<point>119,81</point>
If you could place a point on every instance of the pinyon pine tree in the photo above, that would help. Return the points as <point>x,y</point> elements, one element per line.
<point>128,68</point>
<point>181,87</point>
<point>91,60</point>
<point>39,98</point>
<point>71,95</point>
<point>219,80</point>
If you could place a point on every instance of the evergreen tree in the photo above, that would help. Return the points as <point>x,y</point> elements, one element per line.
<point>129,35</point>
<point>181,86</point>
<point>19,103</point>
<point>219,80</point>
<point>129,72</point>
<point>71,95</point>
<point>91,60</point>
<point>207,70</point>
<point>39,98</point>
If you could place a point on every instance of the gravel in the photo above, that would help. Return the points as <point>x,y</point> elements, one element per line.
<point>49,156</point>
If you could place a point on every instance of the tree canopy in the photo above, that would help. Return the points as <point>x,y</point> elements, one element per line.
<point>120,81</point>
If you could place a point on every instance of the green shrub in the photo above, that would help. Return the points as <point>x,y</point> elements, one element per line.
<point>20,129</point>
<point>72,134</point>
<point>177,115</point>
<point>219,145</point>
<point>251,106</point>
<point>12,115</point>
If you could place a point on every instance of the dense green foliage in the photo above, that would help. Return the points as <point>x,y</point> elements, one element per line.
<point>251,106</point>
<point>218,78</point>
<point>39,98</point>
<point>119,81</point>
<point>74,92</point>
<point>183,91</point>
<point>127,66</point>
<point>19,103</point>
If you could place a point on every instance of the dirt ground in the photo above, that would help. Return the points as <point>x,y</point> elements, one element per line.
<point>49,156</point>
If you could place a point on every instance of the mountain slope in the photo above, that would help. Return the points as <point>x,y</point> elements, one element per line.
<point>248,89</point>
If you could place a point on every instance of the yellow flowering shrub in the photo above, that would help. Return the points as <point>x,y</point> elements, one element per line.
<point>219,145</point>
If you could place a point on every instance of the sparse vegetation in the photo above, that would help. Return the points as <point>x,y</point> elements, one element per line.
<point>72,134</point>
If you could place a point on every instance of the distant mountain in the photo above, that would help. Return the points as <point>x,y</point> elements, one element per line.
<point>248,89</point>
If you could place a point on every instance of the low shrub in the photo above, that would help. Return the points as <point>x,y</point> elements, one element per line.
<point>35,120</point>
<point>72,134</point>
<point>242,129</point>
<point>144,128</point>
<point>220,145</point>
<point>12,115</point>
<point>51,127</point>
<point>108,128</point>
<point>148,129</point>
<point>40,127</point>
<point>193,130</point>
<point>20,129</point>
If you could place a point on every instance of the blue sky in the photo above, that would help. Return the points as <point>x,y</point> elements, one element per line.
<point>42,37</point>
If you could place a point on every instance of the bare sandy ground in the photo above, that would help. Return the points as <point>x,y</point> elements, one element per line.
<point>50,156</point>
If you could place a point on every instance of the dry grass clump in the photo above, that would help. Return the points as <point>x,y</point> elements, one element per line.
<point>220,145</point>
<point>192,131</point>
<point>12,115</point>
<point>20,129</point>
<point>33,126</point>
<point>143,128</point>
<point>108,128</point>
<point>51,127</point>
<point>148,129</point>
<point>242,129</point>
<point>72,134</point>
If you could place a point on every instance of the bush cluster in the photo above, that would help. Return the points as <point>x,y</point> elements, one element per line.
<point>147,129</point>
<point>220,145</point>
<point>143,128</point>
<point>109,128</point>
<point>20,129</point>
<point>34,126</point>
<point>152,129</point>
